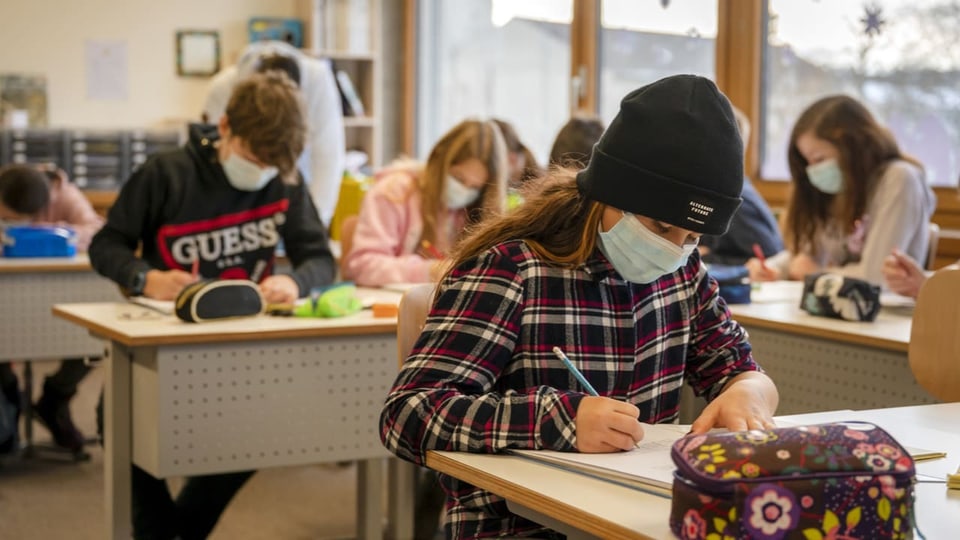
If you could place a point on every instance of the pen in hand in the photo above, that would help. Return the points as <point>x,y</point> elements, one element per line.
<point>431,250</point>
<point>758,253</point>
<point>579,376</point>
<point>575,372</point>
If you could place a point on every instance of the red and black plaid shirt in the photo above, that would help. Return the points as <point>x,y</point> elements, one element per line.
<point>482,377</point>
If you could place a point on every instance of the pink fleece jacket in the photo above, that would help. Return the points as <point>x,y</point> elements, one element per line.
<point>386,244</point>
<point>68,206</point>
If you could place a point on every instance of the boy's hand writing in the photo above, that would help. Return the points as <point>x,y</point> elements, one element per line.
<point>166,284</point>
<point>279,289</point>
<point>607,425</point>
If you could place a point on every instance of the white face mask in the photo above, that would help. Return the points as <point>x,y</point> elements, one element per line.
<point>245,175</point>
<point>638,254</point>
<point>458,195</point>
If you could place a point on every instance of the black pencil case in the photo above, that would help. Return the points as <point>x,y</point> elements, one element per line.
<point>215,299</point>
<point>841,297</point>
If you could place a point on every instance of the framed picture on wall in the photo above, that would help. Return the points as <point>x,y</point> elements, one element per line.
<point>198,53</point>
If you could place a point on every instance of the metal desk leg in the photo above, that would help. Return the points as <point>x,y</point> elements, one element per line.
<point>370,499</point>
<point>401,496</point>
<point>116,449</point>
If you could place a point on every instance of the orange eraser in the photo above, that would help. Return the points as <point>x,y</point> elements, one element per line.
<point>384,310</point>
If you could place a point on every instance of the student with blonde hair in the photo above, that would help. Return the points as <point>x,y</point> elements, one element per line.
<point>414,214</point>
<point>856,197</point>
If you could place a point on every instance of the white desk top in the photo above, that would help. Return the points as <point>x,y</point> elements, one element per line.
<point>610,510</point>
<point>134,325</point>
<point>777,308</point>
<point>20,265</point>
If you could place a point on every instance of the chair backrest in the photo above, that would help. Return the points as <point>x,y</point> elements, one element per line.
<point>934,349</point>
<point>347,228</point>
<point>933,242</point>
<point>414,307</point>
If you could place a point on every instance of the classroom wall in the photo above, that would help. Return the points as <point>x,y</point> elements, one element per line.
<point>48,37</point>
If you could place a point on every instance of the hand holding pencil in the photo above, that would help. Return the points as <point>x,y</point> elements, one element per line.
<point>603,424</point>
<point>758,267</point>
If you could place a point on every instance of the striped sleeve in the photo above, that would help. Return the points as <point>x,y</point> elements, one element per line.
<point>446,396</point>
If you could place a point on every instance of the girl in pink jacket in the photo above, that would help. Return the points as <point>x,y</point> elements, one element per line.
<point>415,213</point>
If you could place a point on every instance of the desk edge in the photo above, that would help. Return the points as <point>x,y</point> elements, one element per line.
<point>530,499</point>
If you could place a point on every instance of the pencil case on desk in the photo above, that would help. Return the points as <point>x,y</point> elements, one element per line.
<point>733,282</point>
<point>842,479</point>
<point>39,241</point>
<point>336,301</point>
<point>215,299</point>
<point>841,297</point>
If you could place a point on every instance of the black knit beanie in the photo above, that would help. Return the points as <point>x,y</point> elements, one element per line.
<point>673,153</point>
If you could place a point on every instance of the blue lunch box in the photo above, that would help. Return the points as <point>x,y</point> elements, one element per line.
<point>39,241</point>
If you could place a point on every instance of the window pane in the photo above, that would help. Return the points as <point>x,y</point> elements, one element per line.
<point>907,72</point>
<point>508,59</point>
<point>641,42</point>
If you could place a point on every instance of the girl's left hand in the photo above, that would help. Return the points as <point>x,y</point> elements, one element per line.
<point>748,402</point>
<point>279,289</point>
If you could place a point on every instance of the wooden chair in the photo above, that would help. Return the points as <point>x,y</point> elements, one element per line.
<point>407,478</point>
<point>413,310</point>
<point>934,350</point>
<point>933,241</point>
<point>347,228</point>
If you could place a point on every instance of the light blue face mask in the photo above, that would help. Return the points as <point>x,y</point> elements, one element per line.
<point>826,176</point>
<point>639,255</point>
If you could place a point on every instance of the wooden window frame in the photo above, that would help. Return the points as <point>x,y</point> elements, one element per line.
<point>739,74</point>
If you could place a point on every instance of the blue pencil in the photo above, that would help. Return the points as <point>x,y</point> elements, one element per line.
<point>576,372</point>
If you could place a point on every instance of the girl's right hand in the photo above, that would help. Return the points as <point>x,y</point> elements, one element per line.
<point>607,425</point>
<point>760,271</point>
<point>903,274</point>
<point>166,284</point>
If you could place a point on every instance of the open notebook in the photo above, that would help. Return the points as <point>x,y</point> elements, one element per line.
<point>647,467</point>
<point>163,306</point>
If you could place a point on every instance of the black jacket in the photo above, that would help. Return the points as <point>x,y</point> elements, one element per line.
<point>179,206</point>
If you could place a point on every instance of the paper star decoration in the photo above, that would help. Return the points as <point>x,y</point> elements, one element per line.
<point>872,20</point>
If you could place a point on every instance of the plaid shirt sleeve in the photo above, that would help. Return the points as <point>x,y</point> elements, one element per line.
<point>719,349</point>
<point>446,396</point>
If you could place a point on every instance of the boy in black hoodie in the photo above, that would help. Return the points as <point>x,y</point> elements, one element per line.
<point>225,200</point>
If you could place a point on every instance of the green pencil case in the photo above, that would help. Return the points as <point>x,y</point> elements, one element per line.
<point>336,301</point>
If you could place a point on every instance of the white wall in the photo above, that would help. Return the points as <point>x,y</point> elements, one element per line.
<point>48,37</point>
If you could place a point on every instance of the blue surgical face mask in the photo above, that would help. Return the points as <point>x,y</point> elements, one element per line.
<point>245,175</point>
<point>826,176</point>
<point>458,195</point>
<point>640,255</point>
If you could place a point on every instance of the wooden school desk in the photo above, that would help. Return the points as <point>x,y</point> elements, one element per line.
<point>820,363</point>
<point>28,287</point>
<point>241,394</point>
<point>584,507</point>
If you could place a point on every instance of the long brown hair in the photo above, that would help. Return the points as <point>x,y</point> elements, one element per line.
<point>864,148</point>
<point>555,220</point>
<point>468,139</point>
